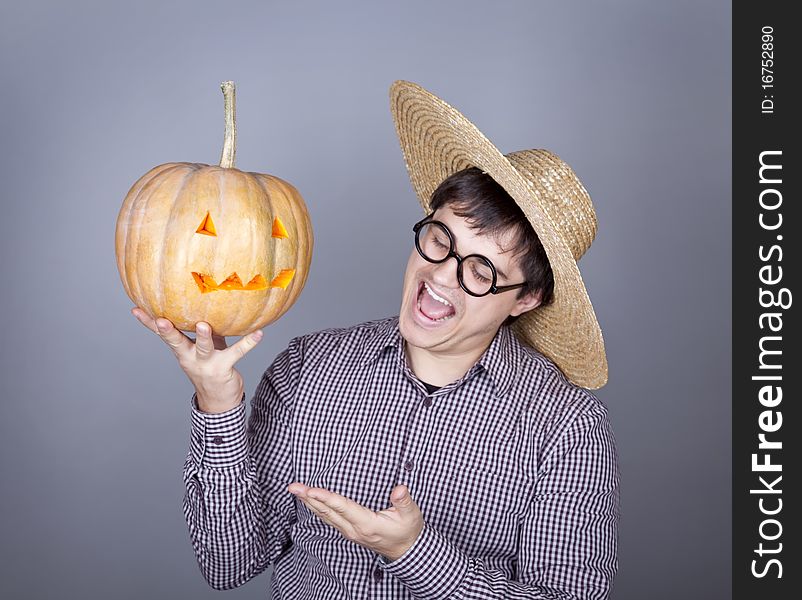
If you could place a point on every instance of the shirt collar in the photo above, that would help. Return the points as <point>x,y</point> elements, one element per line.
<point>388,335</point>
<point>501,360</point>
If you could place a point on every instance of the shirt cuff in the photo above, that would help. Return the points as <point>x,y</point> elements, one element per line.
<point>218,440</point>
<point>432,568</point>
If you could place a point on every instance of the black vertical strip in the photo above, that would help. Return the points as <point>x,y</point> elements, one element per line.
<point>766,364</point>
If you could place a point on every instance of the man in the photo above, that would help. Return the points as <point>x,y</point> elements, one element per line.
<point>450,452</point>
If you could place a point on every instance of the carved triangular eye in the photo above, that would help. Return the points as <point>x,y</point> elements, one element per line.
<point>279,231</point>
<point>207,226</point>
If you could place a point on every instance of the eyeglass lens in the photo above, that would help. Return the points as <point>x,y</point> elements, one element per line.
<point>475,272</point>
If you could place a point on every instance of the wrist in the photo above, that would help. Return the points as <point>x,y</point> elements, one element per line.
<point>214,405</point>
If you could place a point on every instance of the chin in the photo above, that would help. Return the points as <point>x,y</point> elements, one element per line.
<point>420,338</point>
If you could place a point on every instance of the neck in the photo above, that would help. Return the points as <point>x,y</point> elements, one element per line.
<point>442,368</point>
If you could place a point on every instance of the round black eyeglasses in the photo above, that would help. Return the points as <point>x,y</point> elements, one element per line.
<point>475,273</point>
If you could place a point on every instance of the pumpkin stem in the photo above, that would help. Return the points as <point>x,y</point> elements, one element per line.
<point>230,140</point>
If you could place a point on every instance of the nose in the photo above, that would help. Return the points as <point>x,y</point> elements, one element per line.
<point>445,273</point>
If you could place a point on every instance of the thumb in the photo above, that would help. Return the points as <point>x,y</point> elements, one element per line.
<point>400,498</point>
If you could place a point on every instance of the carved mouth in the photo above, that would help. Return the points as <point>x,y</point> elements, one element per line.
<point>206,283</point>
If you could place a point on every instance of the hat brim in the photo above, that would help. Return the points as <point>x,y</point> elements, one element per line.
<point>437,141</point>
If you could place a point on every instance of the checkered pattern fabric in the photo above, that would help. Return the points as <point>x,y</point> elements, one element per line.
<point>513,467</point>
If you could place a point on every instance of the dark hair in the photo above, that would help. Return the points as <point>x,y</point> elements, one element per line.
<point>474,195</point>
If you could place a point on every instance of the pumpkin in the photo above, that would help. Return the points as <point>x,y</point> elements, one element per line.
<point>197,242</point>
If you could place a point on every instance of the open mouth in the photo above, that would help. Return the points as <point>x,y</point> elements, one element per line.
<point>432,306</point>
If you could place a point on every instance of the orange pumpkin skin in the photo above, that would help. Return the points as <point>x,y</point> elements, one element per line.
<point>174,266</point>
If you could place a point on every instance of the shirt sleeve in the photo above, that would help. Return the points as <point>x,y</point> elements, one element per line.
<point>236,503</point>
<point>568,538</point>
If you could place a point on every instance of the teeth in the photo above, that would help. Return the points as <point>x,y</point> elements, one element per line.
<point>436,297</point>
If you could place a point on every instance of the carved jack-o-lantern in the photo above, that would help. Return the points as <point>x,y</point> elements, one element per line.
<point>196,242</point>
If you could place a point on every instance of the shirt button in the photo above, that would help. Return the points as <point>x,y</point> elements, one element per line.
<point>378,574</point>
<point>409,465</point>
<point>427,402</point>
<point>217,440</point>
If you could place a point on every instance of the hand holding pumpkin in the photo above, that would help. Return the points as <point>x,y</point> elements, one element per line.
<point>208,361</point>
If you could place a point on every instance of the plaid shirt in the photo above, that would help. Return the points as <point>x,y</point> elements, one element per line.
<point>514,470</point>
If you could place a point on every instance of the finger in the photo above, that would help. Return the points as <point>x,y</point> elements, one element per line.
<point>245,344</point>
<point>178,342</point>
<point>204,345</point>
<point>352,510</point>
<point>145,319</point>
<point>331,517</point>
<point>339,508</point>
<point>315,499</point>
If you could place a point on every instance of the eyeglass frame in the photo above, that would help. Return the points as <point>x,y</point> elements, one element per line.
<point>494,289</point>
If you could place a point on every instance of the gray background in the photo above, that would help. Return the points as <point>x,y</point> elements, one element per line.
<point>95,411</point>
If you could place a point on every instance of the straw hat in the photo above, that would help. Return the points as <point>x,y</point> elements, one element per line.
<point>438,141</point>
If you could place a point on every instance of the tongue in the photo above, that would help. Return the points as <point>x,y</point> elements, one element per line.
<point>433,308</point>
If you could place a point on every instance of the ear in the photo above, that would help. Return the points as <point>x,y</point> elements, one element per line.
<point>527,302</point>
